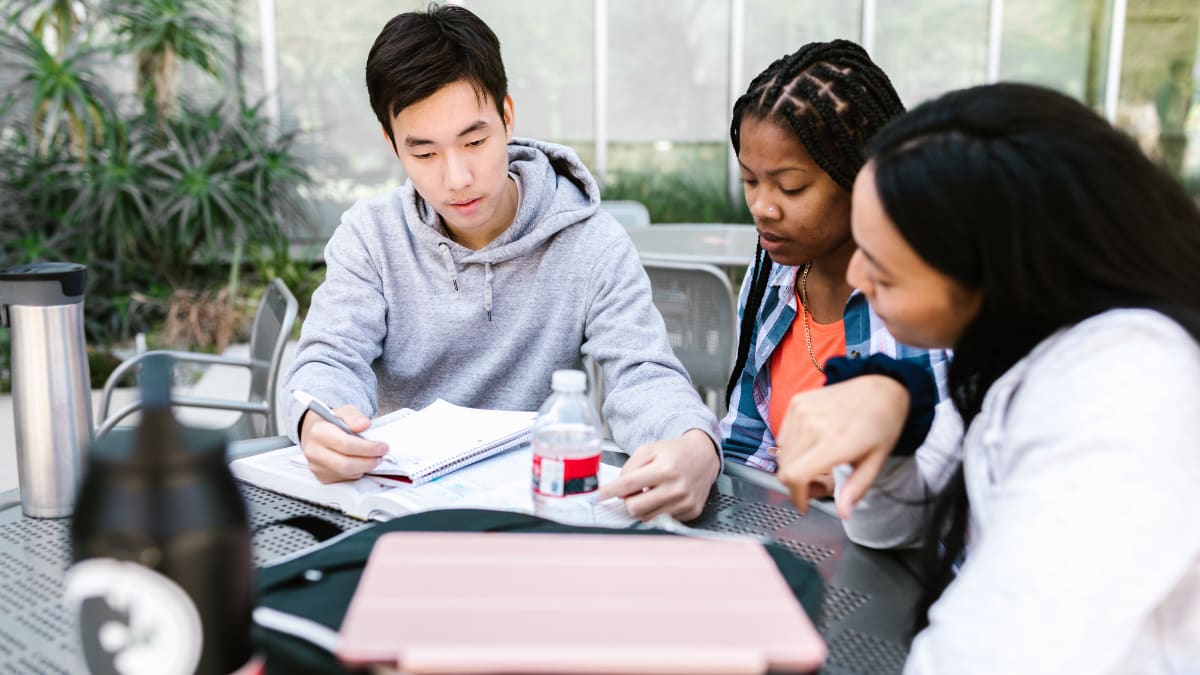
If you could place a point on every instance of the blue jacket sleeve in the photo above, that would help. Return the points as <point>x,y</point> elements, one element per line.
<point>743,431</point>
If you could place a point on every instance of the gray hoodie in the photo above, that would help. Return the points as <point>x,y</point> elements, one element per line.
<point>406,315</point>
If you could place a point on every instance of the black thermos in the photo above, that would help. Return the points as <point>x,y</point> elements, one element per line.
<point>162,574</point>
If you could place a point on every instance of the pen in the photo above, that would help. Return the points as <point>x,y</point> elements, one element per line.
<point>316,405</point>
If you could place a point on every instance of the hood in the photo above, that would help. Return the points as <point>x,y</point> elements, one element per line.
<point>557,191</point>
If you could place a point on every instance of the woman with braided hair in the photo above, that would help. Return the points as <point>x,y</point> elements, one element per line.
<point>799,133</point>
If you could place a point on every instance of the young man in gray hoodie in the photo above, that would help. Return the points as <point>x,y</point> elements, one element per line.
<point>491,267</point>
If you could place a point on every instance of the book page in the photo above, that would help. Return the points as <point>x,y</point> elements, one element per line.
<point>488,485</point>
<point>501,483</point>
<point>286,471</point>
<point>442,431</point>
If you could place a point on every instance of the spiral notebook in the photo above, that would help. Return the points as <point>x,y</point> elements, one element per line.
<point>442,437</point>
<point>502,602</point>
<point>444,456</point>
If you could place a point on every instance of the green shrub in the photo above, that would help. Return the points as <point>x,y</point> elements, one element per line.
<point>301,274</point>
<point>678,197</point>
<point>677,182</point>
<point>153,197</point>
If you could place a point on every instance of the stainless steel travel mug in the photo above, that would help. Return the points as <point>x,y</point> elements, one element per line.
<point>52,405</point>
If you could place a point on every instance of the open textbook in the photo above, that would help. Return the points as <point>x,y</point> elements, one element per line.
<point>501,481</point>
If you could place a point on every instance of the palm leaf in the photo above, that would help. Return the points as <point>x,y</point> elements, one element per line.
<point>64,97</point>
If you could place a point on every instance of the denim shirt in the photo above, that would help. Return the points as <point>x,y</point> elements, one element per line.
<point>746,436</point>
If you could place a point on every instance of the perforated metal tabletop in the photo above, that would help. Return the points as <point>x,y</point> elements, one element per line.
<point>868,593</point>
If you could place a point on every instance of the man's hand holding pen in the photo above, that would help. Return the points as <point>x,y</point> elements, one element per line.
<point>334,455</point>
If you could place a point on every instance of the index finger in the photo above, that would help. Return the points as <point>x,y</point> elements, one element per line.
<point>860,480</point>
<point>328,435</point>
<point>623,487</point>
<point>798,475</point>
<point>353,417</point>
<point>632,481</point>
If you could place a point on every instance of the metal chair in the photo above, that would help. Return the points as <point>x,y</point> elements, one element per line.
<point>697,304</point>
<point>269,334</point>
<point>628,212</point>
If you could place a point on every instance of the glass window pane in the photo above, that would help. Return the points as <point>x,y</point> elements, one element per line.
<point>774,29</point>
<point>322,91</point>
<point>1062,44</point>
<point>667,66</point>
<point>1159,100</point>
<point>547,48</point>
<point>668,89</point>
<point>248,52</point>
<point>929,47</point>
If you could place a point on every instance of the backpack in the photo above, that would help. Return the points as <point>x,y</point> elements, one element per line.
<point>302,600</point>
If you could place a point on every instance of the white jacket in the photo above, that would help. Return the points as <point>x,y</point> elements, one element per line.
<point>1083,476</point>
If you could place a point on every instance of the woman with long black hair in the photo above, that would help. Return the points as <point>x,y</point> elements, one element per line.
<point>1057,498</point>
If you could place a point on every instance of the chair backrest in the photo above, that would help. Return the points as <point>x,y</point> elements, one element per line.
<point>268,336</point>
<point>628,212</point>
<point>697,303</point>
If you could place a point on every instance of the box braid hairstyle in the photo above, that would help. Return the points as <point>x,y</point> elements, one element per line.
<point>834,98</point>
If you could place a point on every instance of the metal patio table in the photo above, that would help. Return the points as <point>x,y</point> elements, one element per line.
<point>728,246</point>
<point>865,616</point>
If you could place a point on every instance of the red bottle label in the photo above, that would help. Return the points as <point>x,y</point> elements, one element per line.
<point>555,477</point>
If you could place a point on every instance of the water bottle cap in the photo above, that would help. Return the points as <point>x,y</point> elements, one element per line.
<point>568,380</point>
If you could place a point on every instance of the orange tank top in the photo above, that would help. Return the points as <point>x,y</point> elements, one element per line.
<point>792,370</point>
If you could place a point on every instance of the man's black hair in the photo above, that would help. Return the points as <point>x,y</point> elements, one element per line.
<point>418,53</point>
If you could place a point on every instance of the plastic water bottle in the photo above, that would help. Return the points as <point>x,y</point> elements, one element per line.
<point>566,452</point>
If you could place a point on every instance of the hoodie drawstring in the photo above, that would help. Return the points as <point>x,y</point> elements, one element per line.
<point>449,262</point>
<point>487,289</point>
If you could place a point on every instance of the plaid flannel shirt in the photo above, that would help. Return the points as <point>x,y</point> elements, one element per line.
<point>746,435</point>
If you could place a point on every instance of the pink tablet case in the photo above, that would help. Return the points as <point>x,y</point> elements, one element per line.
<point>431,602</point>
